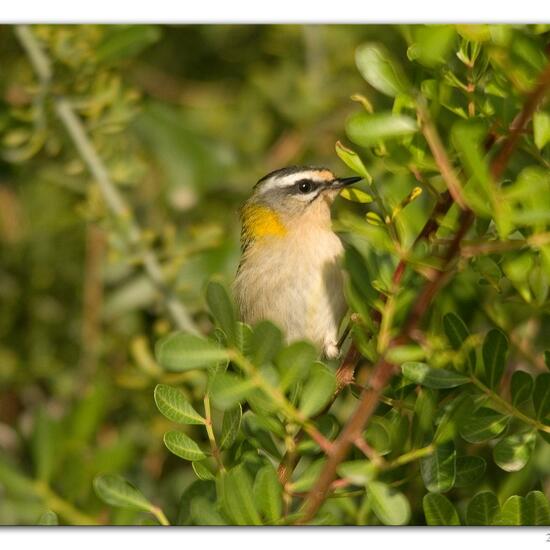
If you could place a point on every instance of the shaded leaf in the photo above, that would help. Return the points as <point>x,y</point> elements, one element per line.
<point>469,469</point>
<point>268,493</point>
<point>483,425</point>
<point>541,396</point>
<point>238,497</point>
<point>265,343</point>
<point>495,348</point>
<point>294,363</point>
<point>228,389</point>
<point>183,446</point>
<point>230,426</point>
<point>202,471</point>
<point>424,375</point>
<point>457,332</point>
<point>439,469</point>
<point>221,307</point>
<point>521,387</point>
<point>439,510</point>
<point>173,405</point>
<point>180,352</point>
<point>203,512</point>
<point>318,390</point>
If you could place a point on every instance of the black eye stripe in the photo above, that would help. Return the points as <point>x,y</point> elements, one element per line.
<point>304,187</point>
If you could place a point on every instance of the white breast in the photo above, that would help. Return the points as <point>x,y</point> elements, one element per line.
<point>295,281</point>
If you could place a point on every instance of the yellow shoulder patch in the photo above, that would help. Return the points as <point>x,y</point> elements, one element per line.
<point>260,221</point>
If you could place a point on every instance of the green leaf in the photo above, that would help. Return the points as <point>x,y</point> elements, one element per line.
<point>46,445</point>
<point>181,352</point>
<point>123,41</point>
<point>268,494</point>
<point>183,446</point>
<point>422,374</point>
<point>352,160</point>
<point>230,426</point>
<point>513,452</point>
<point>266,342</point>
<point>439,469</point>
<point>378,435</point>
<point>483,425</point>
<point>538,509</point>
<point>514,511</point>
<point>390,506</point>
<point>294,363</point>
<point>202,471</point>
<point>483,509</point>
<point>378,67</point>
<point>229,389</point>
<point>48,518</point>
<point>173,405</point>
<point>424,416</point>
<point>354,194</point>
<point>359,472</point>
<point>203,512</point>
<point>547,359</point>
<point>541,396</point>
<point>541,128</point>
<point>116,491</point>
<point>318,390</point>
<point>521,387</point>
<point>309,476</point>
<point>367,129</point>
<point>439,510</point>
<point>495,348</point>
<point>238,497</point>
<point>222,310</point>
<point>432,44</point>
<point>469,469</point>
<point>457,333</point>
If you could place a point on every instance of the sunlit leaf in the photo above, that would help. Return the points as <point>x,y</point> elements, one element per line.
<point>116,491</point>
<point>173,405</point>
<point>369,129</point>
<point>180,352</point>
<point>230,426</point>
<point>48,518</point>
<point>352,160</point>
<point>354,194</point>
<point>390,506</point>
<point>183,446</point>
<point>513,452</point>
<point>483,509</point>
<point>381,70</point>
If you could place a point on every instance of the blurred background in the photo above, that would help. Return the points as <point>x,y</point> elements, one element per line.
<point>187,119</point>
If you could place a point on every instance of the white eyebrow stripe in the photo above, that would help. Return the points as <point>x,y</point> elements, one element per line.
<point>280,182</point>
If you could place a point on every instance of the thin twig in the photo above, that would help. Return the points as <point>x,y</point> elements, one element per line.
<point>113,199</point>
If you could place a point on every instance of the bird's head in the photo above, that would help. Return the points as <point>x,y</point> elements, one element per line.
<point>289,197</point>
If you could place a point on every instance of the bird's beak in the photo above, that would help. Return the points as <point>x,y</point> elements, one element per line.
<point>339,183</point>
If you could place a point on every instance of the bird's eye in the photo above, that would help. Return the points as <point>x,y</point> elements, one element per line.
<point>305,186</point>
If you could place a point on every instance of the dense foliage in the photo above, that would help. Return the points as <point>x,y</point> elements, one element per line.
<point>131,393</point>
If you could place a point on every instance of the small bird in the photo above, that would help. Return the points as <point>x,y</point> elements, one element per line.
<point>290,269</point>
